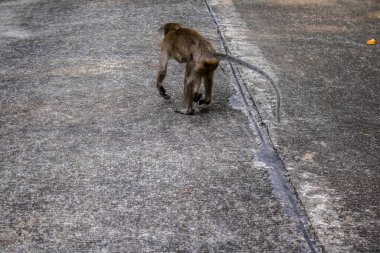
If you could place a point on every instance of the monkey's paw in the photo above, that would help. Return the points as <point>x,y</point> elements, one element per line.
<point>163,94</point>
<point>204,102</point>
<point>184,111</point>
<point>197,97</point>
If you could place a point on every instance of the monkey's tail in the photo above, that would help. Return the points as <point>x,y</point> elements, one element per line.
<point>258,70</point>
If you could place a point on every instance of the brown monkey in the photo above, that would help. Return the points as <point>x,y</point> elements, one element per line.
<point>185,45</point>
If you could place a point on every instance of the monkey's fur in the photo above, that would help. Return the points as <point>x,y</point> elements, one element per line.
<point>185,45</point>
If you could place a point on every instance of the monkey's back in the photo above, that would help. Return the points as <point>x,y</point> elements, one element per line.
<point>188,45</point>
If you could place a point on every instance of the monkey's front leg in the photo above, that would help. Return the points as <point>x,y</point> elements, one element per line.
<point>160,78</point>
<point>164,58</point>
<point>190,81</point>
<point>162,92</point>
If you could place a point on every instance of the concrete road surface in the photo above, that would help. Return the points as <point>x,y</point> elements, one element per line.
<point>330,84</point>
<point>92,159</point>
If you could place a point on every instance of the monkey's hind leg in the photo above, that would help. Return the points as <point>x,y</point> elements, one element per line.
<point>192,80</point>
<point>187,111</point>
<point>188,93</point>
<point>196,94</point>
<point>208,79</point>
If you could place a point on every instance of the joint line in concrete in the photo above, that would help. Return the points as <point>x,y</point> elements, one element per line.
<point>288,195</point>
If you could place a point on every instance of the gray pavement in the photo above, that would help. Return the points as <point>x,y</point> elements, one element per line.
<point>92,159</point>
<point>330,84</point>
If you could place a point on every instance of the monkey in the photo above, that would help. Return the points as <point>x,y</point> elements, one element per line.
<point>186,45</point>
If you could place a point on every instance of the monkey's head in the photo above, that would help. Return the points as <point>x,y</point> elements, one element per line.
<point>169,27</point>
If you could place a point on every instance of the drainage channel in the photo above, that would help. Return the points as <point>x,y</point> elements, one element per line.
<point>268,155</point>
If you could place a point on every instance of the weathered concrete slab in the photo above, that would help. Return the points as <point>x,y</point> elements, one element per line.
<point>93,160</point>
<point>329,80</point>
